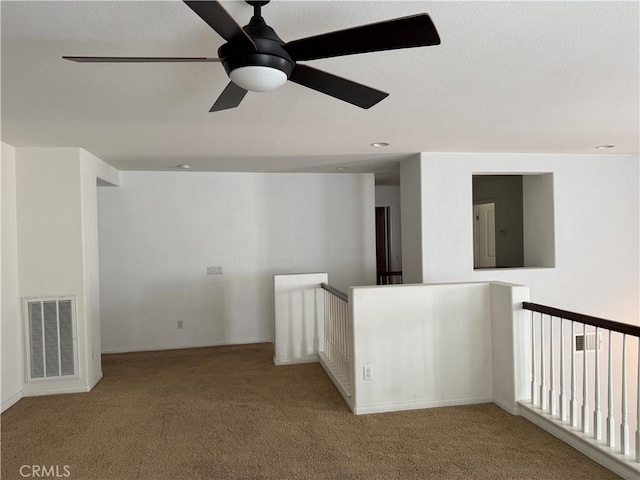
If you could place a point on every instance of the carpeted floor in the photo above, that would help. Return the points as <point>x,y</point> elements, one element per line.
<point>229,413</point>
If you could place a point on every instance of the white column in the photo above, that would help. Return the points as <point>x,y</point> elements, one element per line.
<point>543,387</point>
<point>533,361</point>
<point>573,404</point>
<point>611,427</point>
<point>552,389</point>
<point>597,415</point>
<point>585,384</point>
<point>563,396</point>
<point>624,426</point>
<point>638,409</point>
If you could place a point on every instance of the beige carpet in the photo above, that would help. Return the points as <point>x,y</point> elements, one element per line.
<point>228,412</point>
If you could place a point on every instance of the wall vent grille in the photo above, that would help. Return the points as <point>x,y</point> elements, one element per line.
<point>51,338</point>
<point>588,342</point>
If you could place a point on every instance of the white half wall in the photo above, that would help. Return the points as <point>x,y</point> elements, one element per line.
<point>299,316</point>
<point>596,215</point>
<point>511,345</point>
<point>11,333</point>
<point>159,231</point>
<point>427,346</point>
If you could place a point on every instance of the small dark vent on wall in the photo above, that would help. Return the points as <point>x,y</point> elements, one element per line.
<point>588,342</point>
<point>51,338</point>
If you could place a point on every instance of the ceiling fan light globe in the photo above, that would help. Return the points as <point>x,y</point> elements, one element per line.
<point>256,78</point>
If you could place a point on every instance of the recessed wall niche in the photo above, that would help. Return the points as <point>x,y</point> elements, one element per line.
<point>513,221</point>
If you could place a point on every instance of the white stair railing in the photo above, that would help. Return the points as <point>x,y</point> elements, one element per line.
<point>587,345</point>
<point>337,355</point>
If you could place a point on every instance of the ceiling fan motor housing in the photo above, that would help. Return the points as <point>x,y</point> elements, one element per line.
<point>268,52</point>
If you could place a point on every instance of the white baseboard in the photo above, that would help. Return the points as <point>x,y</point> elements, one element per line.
<point>313,358</point>
<point>94,381</point>
<point>153,348</point>
<point>9,402</point>
<point>43,389</point>
<point>507,407</point>
<point>57,387</point>
<point>605,456</point>
<point>400,406</point>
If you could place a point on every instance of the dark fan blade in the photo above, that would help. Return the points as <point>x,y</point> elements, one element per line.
<point>414,31</point>
<point>219,19</point>
<point>230,97</point>
<point>338,87</point>
<point>140,59</point>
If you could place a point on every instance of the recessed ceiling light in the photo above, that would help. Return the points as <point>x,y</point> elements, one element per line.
<point>603,147</point>
<point>184,166</point>
<point>342,168</point>
<point>380,144</point>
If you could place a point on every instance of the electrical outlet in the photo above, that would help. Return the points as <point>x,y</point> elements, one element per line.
<point>179,323</point>
<point>214,271</point>
<point>367,372</point>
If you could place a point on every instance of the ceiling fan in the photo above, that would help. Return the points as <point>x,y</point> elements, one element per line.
<point>257,60</point>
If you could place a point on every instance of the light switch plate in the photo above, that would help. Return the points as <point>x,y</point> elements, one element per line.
<point>214,271</point>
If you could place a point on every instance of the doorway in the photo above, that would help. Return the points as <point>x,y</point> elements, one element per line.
<point>383,246</point>
<point>484,235</point>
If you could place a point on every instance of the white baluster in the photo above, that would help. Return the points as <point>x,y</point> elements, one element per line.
<point>333,327</point>
<point>343,341</point>
<point>543,387</point>
<point>337,334</point>
<point>563,396</point>
<point>327,315</point>
<point>597,414</point>
<point>638,409</point>
<point>344,338</point>
<point>611,427</point>
<point>552,388</point>
<point>339,318</point>
<point>585,379</point>
<point>330,336</point>
<point>573,404</point>
<point>624,426</point>
<point>533,361</point>
<point>349,343</point>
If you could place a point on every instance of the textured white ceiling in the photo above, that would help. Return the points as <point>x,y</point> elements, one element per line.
<point>551,77</point>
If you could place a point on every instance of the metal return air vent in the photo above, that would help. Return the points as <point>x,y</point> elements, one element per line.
<point>51,338</point>
<point>588,342</point>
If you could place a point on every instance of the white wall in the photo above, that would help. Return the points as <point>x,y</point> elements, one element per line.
<point>596,213</point>
<point>50,236</point>
<point>92,171</point>
<point>299,317</point>
<point>411,185</point>
<point>11,330</point>
<point>56,218</point>
<point>510,345</point>
<point>538,220</point>
<point>160,230</point>
<point>427,345</point>
<point>389,196</point>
